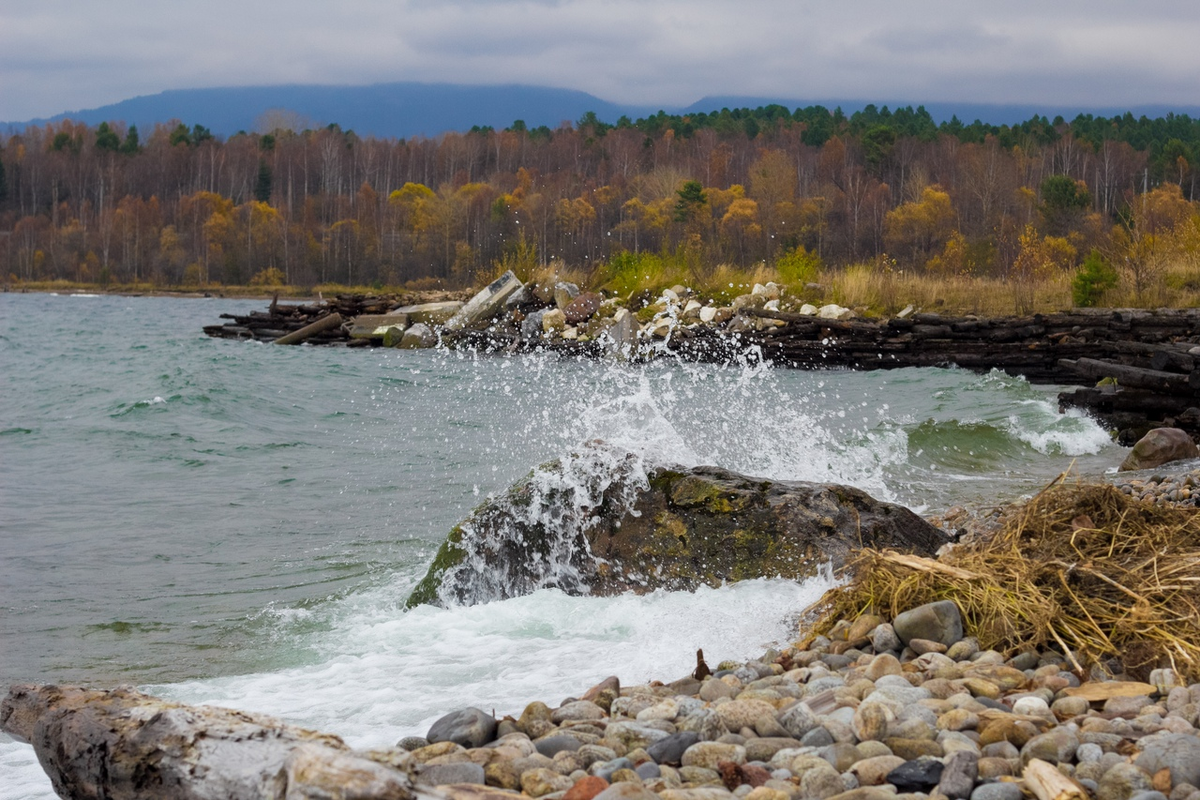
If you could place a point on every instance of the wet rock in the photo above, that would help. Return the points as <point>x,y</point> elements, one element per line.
<point>469,727</point>
<point>553,321</point>
<point>418,336</point>
<point>564,293</point>
<point>674,529</point>
<point>582,308</point>
<point>1160,446</point>
<point>531,326</point>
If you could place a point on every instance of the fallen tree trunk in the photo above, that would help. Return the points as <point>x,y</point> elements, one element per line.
<point>334,320</point>
<point>1134,377</point>
<point>124,745</point>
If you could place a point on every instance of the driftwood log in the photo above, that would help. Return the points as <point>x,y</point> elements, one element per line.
<point>124,745</point>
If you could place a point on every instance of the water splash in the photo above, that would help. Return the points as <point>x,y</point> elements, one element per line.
<point>535,535</point>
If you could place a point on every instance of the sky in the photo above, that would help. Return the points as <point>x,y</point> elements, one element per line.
<point>69,55</point>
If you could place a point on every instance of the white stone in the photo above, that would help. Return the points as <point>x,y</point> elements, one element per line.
<point>808,310</point>
<point>708,314</point>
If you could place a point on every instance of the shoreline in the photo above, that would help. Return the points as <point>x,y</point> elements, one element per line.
<point>915,702</point>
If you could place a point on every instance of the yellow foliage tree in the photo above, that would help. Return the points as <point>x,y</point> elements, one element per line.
<point>916,229</point>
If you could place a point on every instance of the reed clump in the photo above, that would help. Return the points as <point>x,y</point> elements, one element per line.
<point>1110,581</point>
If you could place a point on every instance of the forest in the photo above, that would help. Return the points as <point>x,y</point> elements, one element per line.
<point>798,191</point>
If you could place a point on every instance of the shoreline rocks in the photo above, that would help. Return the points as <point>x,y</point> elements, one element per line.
<point>832,718</point>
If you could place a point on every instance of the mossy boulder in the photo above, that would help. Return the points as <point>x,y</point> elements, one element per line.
<point>606,528</point>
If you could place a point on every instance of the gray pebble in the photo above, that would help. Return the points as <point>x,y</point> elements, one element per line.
<point>997,791</point>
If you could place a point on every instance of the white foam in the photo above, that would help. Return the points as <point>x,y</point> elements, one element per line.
<point>1070,434</point>
<point>396,672</point>
<point>21,776</point>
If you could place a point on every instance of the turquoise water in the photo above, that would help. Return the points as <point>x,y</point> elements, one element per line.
<point>239,523</point>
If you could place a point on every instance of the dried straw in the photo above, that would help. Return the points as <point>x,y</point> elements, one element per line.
<point>1083,568</point>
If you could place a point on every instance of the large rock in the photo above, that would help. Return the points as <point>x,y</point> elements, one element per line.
<point>486,303</point>
<point>600,522</point>
<point>1160,446</point>
<point>125,744</point>
<point>935,622</point>
<point>468,727</point>
<point>418,337</point>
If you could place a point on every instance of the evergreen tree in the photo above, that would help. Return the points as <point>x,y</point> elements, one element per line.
<point>131,145</point>
<point>262,186</point>
<point>106,138</point>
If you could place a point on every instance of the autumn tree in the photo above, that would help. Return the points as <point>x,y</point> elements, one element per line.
<point>915,230</point>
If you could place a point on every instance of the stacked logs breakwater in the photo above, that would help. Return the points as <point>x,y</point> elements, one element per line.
<point>1136,367</point>
<point>322,322</point>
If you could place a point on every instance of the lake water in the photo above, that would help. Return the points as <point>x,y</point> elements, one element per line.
<point>235,523</point>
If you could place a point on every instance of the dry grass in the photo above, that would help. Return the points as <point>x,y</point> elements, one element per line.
<point>1081,568</point>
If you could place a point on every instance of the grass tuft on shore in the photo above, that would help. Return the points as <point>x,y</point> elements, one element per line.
<point>1110,581</point>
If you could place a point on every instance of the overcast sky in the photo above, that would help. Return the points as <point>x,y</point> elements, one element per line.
<point>68,55</point>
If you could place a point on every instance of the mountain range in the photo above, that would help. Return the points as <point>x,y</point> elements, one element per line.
<point>405,110</point>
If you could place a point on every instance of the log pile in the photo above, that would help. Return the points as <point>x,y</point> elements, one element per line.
<point>1147,356</point>
<point>1137,367</point>
<point>282,320</point>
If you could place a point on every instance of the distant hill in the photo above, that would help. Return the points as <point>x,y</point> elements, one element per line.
<point>404,110</point>
<point>400,110</point>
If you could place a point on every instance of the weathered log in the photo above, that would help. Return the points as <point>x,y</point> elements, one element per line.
<point>1135,377</point>
<point>101,745</point>
<point>333,320</point>
<point>1045,782</point>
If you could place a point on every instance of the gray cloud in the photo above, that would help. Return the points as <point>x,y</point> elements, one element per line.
<point>58,55</point>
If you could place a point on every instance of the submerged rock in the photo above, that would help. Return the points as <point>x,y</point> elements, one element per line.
<point>601,522</point>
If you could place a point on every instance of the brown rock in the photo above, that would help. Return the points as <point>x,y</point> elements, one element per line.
<point>586,788</point>
<point>610,683</point>
<point>1160,446</point>
<point>582,308</point>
